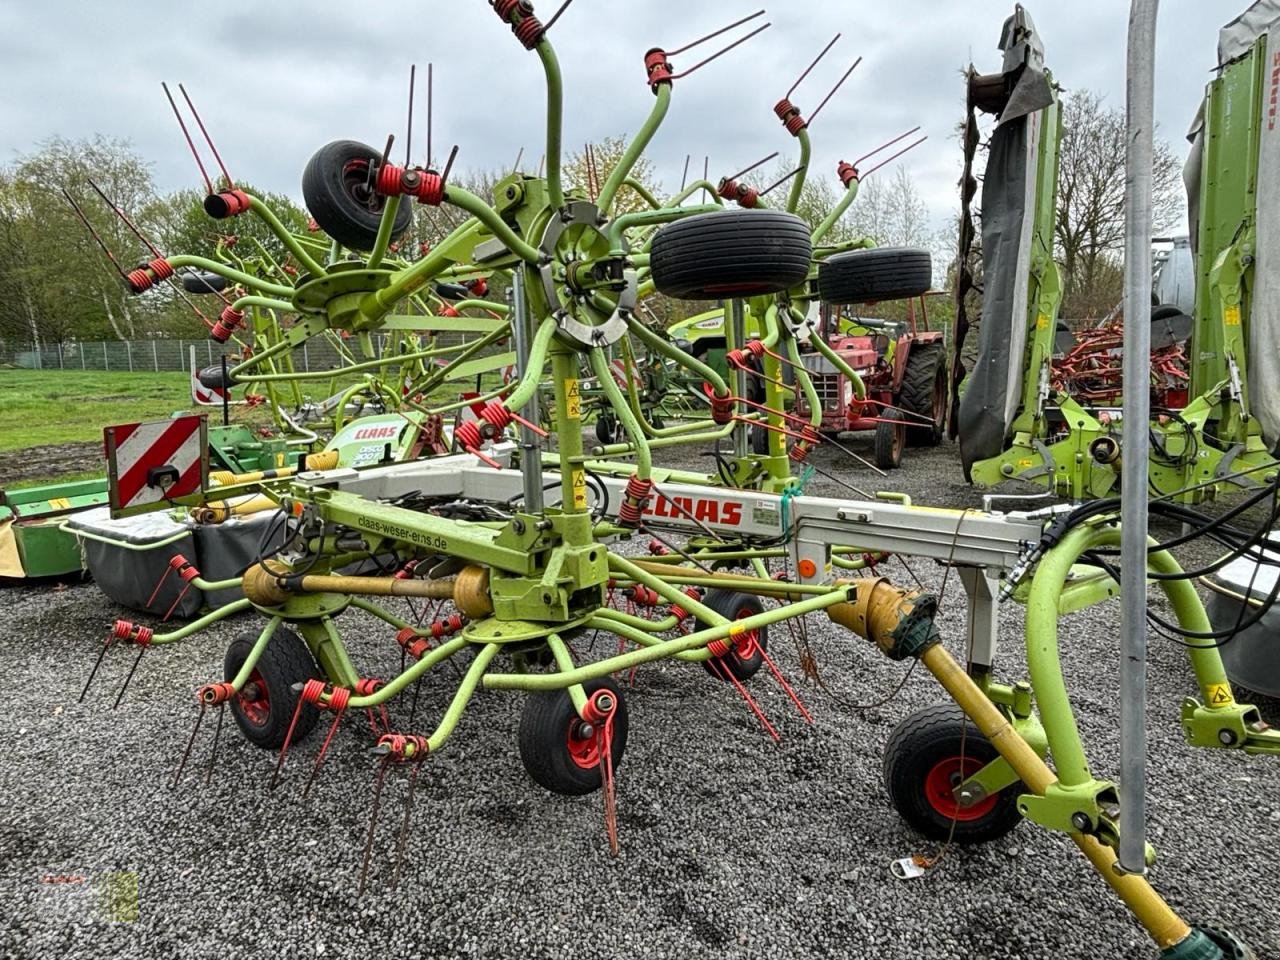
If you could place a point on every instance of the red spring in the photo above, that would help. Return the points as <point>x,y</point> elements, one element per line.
<point>128,630</point>
<point>679,612</point>
<point>138,280</point>
<point>847,173</point>
<point>407,571</point>
<point>448,626</point>
<point>504,8</point>
<point>160,267</point>
<point>312,690</point>
<point>227,203</point>
<point>658,548</point>
<point>790,116</point>
<point>212,694</point>
<point>634,501</point>
<point>529,31</point>
<point>747,197</point>
<point>658,68</point>
<point>735,358</point>
<point>756,348</point>
<point>468,435</point>
<point>728,189</point>
<point>479,287</point>
<point>290,270</point>
<point>229,321</point>
<point>312,226</point>
<point>414,645</point>
<point>426,185</point>
<point>496,415</point>
<point>719,648</point>
<point>643,596</point>
<point>368,686</point>
<point>185,568</point>
<point>449,312</point>
<point>722,409</point>
<point>400,746</point>
<point>800,452</point>
<point>387,183</point>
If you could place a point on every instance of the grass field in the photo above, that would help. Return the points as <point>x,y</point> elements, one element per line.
<point>40,407</point>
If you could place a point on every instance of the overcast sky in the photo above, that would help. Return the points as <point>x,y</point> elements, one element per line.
<point>275,80</point>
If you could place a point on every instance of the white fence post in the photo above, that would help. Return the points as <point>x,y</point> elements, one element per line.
<point>106,361</point>
<point>82,363</point>
<point>155,357</point>
<point>128,351</point>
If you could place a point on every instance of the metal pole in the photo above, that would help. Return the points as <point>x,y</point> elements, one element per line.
<point>737,337</point>
<point>530,448</point>
<point>128,351</point>
<point>82,362</point>
<point>106,362</point>
<point>155,357</point>
<point>1140,119</point>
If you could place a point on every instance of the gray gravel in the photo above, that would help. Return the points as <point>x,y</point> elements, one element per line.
<point>731,846</point>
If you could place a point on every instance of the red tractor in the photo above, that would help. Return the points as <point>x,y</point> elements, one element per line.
<point>902,363</point>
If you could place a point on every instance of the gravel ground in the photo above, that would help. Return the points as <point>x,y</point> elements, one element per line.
<point>731,846</point>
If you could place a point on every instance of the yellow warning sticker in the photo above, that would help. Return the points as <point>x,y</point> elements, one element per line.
<point>1042,322</point>
<point>1219,695</point>
<point>579,478</point>
<point>572,399</point>
<point>60,503</point>
<point>737,628</point>
<point>1231,315</point>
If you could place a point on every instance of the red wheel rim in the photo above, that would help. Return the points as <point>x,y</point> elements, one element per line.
<point>744,647</point>
<point>582,749</point>
<point>254,700</point>
<point>943,778</point>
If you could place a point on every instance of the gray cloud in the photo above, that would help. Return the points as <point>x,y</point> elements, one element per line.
<point>275,81</point>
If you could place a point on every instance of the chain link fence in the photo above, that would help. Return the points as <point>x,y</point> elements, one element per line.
<point>155,356</point>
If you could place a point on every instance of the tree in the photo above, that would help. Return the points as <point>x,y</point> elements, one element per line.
<point>1089,226</point>
<point>587,173</point>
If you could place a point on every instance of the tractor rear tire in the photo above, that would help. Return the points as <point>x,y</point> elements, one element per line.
<point>891,437</point>
<point>737,253</point>
<point>335,191</point>
<point>924,760</point>
<point>552,748</point>
<point>884,273</point>
<point>924,392</point>
<point>265,706</point>
<point>736,606</point>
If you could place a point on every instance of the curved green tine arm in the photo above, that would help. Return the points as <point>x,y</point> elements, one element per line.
<point>251,661</point>
<point>383,239</point>
<point>263,212</point>
<point>642,636</point>
<point>230,273</point>
<point>195,626</point>
<point>622,169</point>
<point>693,188</point>
<point>600,367</point>
<point>415,671</point>
<point>672,352</point>
<point>836,212</point>
<point>537,363</point>
<point>466,690</point>
<point>639,623</point>
<point>468,201</point>
<point>644,218</point>
<point>797,184</point>
<point>267,303</point>
<point>564,661</point>
<point>806,382</point>
<point>643,192</point>
<point>555,119</point>
<point>447,252</point>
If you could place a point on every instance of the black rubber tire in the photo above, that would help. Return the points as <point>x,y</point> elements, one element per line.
<point>334,191</point>
<point>286,661</point>
<point>736,253</point>
<point>926,739</point>
<point>760,441</point>
<point>203,282</point>
<point>891,437</point>
<point>924,392</point>
<point>883,273</point>
<point>545,725</point>
<point>211,377</point>
<point>734,606</point>
<point>607,428</point>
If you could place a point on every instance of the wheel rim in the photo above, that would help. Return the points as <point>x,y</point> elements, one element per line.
<point>255,700</point>
<point>745,648</point>
<point>943,778</point>
<point>899,440</point>
<point>580,741</point>
<point>939,398</point>
<point>355,183</point>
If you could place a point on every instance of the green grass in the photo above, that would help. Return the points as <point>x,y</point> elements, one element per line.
<point>39,407</point>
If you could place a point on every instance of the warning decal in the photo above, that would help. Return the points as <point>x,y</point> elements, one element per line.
<point>155,461</point>
<point>1219,694</point>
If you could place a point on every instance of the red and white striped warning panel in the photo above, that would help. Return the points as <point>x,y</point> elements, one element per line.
<point>156,461</point>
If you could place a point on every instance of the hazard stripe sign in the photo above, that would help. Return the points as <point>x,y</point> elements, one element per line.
<point>154,462</point>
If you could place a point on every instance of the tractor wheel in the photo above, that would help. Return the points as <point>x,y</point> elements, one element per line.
<point>924,392</point>
<point>203,282</point>
<point>737,606</point>
<point>885,273</point>
<point>891,437</point>
<point>212,378</point>
<point>335,188</point>
<point>559,749</point>
<point>264,707</point>
<point>608,429</point>
<point>759,441</point>
<point>924,760</point>
<point>737,253</point>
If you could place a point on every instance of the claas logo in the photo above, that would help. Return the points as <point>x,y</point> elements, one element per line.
<point>376,433</point>
<point>727,513</point>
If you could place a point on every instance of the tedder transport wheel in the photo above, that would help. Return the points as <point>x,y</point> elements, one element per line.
<point>759,441</point>
<point>559,748</point>
<point>608,429</point>
<point>885,273</point>
<point>203,283</point>
<point>737,606</point>
<point>212,378</point>
<point>891,437</point>
<point>737,253</point>
<point>264,708</point>
<point>336,188</point>
<point>923,764</point>
<point>924,392</point>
